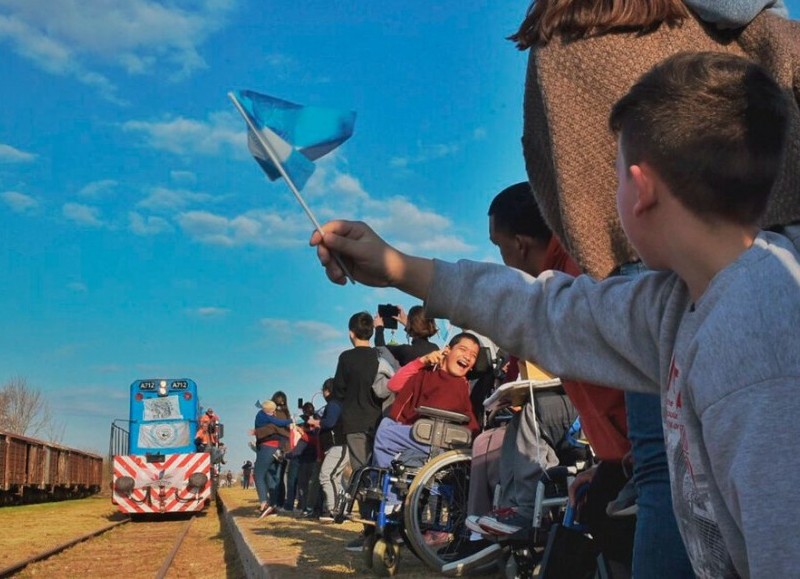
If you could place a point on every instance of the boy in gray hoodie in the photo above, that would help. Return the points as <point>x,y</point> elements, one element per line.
<point>713,328</point>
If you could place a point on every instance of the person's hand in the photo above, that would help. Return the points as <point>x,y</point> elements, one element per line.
<point>583,478</point>
<point>377,321</point>
<point>252,432</point>
<point>369,259</point>
<point>401,316</point>
<point>434,358</point>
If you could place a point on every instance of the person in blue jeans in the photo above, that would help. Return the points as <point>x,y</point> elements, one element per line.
<point>271,432</point>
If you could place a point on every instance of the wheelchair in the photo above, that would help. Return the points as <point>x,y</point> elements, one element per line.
<point>432,493</point>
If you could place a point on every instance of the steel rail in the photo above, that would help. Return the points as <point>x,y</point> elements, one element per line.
<point>18,566</point>
<point>171,556</point>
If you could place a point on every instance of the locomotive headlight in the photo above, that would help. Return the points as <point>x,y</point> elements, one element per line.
<point>162,388</point>
<point>124,485</point>
<point>197,480</point>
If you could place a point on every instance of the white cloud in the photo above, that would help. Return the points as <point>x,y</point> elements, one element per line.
<point>257,227</point>
<point>135,35</point>
<point>426,153</point>
<point>300,329</point>
<point>9,154</point>
<point>413,229</point>
<point>19,202</point>
<point>221,132</point>
<point>210,312</point>
<point>161,199</point>
<point>144,226</point>
<point>82,214</point>
<point>98,189</point>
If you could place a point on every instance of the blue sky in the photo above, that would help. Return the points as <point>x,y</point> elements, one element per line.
<point>139,239</point>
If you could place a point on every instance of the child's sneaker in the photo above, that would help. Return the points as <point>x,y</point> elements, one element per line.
<point>625,503</point>
<point>504,522</point>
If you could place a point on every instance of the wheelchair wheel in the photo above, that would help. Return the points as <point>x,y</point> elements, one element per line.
<point>385,558</point>
<point>436,507</point>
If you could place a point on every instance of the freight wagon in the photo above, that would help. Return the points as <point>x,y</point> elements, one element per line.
<point>33,470</point>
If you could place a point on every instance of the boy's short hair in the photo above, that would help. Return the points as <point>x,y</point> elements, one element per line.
<point>464,336</point>
<point>327,386</point>
<point>362,325</point>
<point>516,212</point>
<point>713,126</point>
<point>269,406</point>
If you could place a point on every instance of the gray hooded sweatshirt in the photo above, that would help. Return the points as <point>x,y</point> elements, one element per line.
<point>727,368</point>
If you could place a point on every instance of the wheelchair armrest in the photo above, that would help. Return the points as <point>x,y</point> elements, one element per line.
<point>439,434</point>
<point>455,417</point>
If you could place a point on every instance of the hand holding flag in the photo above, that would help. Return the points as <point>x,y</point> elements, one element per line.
<point>286,139</point>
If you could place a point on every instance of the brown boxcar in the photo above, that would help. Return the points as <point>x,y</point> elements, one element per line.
<point>33,470</point>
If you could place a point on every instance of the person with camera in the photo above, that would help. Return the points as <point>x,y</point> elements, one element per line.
<point>418,328</point>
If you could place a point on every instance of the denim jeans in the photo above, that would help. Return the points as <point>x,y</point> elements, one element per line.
<point>266,472</point>
<point>658,549</point>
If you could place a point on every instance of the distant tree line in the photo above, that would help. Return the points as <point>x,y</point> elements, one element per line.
<point>24,410</point>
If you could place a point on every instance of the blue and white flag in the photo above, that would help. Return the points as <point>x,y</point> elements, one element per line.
<point>297,135</point>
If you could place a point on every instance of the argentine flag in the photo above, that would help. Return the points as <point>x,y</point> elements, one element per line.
<point>296,135</point>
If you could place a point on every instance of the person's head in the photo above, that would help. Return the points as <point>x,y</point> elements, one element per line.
<point>327,388</point>
<point>209,412</point>
<point>577,19</point>
<point>308,410</point>
<point>461,354</point>
<point>279,398</point>
<point>517,228</point>
<point>361,326</point>
<point>707,128</point>
<point>418,325</point>
<point>269,407</point>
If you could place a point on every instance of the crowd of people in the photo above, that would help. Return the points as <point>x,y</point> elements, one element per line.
<point>659,277</point>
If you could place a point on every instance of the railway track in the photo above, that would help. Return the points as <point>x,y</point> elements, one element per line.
<point>142,549</point>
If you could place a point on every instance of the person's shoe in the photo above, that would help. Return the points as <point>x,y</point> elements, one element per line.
<point>327,518</point>
<point>309,514</point>
<point>504,522</point>
<point>356,545</point>
<point>471,522</point>
<point>625,503</point>
<point>267,511</point>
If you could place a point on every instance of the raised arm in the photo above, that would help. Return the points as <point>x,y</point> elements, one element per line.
<point>370,259</point>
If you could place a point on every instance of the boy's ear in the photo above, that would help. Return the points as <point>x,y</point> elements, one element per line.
<point>646,183</point>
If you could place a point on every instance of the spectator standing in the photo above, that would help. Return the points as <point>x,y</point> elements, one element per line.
<point>419,329</point>
<point>271,434</point>
<point>247,470</point>
<point>361,408</point>
<point>334,449</point>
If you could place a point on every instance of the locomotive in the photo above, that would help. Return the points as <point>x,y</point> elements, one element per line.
<point>157,467</point>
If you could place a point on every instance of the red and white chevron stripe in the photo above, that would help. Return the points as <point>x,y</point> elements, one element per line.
<point>161,487</point>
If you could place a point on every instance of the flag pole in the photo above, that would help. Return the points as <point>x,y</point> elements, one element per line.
<point>274,158</point>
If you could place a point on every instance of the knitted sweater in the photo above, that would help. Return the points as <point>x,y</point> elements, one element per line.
<point>569,150</point>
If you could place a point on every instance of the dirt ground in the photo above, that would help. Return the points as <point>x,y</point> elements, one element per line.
<point>31,529</point>
<point>307,548</point>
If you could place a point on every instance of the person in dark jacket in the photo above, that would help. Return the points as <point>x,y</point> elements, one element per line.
<point>332,444</point>
<point>270,431</point>
<point>418,327</point>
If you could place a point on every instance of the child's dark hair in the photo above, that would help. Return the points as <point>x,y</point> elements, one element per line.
<point>327,385</point>
<point>279,398</point>
<point>362,325</point>
<point>516,212</point>
<point>418,324</point>
<point>464,336</point>
<point>713,126</point>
